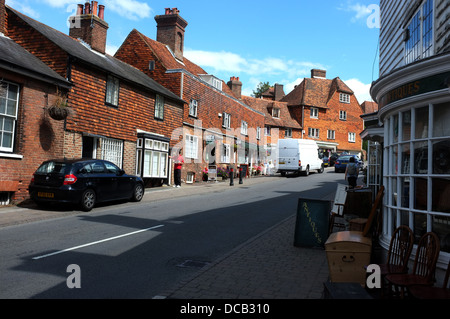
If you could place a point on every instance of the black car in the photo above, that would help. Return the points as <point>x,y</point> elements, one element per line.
<point>83,182</point>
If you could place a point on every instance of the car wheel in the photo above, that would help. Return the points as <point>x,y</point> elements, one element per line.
<point>306,173</point>
<point>138,193</point>
<point>321,170</point>
<point>88,200</point>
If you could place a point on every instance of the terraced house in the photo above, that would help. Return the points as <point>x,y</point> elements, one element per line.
<point>115,109</point>
<point>218,128</point>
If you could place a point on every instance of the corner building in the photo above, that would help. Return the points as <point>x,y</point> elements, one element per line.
<point>413,94</point>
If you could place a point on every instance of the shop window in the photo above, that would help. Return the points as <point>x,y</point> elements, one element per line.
<point>441,118</point>
<point>422,122</point>
<point>421,158</point>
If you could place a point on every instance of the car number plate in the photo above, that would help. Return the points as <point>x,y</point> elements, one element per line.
<point>282,162</point>
<point>46,195</point>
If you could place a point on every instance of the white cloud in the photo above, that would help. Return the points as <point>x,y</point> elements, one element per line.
<point>362,90</point>
<point>234,63</point>
<point>23,7</point>
<point>130,9</point>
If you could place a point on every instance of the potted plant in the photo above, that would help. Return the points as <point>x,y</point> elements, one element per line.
<point>59,110</point>
<point>205,174</point>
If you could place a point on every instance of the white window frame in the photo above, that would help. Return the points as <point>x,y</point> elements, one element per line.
<point>331,134</point>
<point>314,113</point>
<point>191,146</point>
<point>276,112</point>
<point>420,41</point>
<point>288,132</point>
<point>226,153</point>
<point>343,115</point>
<point>344,98</point>
<point>112,150</point>
<point>193,107</point>
<point>258,133</point>
<point>226,120</point>
<point>112,90</point>
<point>9,114</point>
<point>313,132</point>
<point>352,137</point>
<point>244,128</point>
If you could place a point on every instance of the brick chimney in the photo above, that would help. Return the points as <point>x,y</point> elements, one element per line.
<point>2,17</point>
<point>321,74</point>
<point>236,86</point>
<point>278,92</point>
<point>170,31</point>
<point>89,25</point>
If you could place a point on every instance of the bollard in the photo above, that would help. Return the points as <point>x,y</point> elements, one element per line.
<point>240,176</point>
<point>231,177</point>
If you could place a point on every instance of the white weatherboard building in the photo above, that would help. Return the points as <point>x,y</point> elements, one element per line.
<point>413,94</point>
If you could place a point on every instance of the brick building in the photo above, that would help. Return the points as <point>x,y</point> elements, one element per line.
<point>218,128</point>
<point>27,134</point>
<point>279,123</point>
<point>116,110</point>
<point>328,112</point>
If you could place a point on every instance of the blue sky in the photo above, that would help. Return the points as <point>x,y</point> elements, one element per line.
<point>258,41</point>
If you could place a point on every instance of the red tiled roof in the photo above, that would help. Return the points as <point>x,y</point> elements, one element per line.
<point>369,107</point>
<point>316,92</point>
<point>170,62</point>
<point>266,106</point>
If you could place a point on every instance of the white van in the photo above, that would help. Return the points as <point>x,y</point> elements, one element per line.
<point>298,156</point>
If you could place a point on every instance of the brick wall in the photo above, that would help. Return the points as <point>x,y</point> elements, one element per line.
<point>2,16</point>
<point>329,120</point>
<point>38,137</point>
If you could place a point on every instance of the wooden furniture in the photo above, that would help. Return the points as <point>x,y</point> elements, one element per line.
<point>373,212</point>
<point>400,248</point>
<point>423,270</point>
<point>348,252</point>
<point>427,292</point>
<point>338,208</point>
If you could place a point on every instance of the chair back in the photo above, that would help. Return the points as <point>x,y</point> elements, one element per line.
<point>400,247</point>
<point>426,256</point>
<point>373,211</point>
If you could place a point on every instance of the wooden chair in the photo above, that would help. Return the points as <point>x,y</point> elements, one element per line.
<point>427,292</point>
<point>400,248</point>
<point>373,212</point>
<point>423,270</point>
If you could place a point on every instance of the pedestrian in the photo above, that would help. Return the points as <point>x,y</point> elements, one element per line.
<point>351,172</point>
<point>179,161</point>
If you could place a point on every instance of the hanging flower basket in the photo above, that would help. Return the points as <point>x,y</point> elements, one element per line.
<point>59,110</point>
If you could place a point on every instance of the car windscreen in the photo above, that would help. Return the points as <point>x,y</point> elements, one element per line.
<point>344,158</point>
<point>52,168</point>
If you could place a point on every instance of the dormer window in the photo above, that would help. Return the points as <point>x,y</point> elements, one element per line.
<point>212,80</point>
<point>344,98</point>
<point>276,112</point>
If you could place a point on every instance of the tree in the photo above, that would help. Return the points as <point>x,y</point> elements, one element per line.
<point>261,88</point>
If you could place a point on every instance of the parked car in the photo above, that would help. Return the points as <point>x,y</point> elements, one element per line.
<point>342,161</point>
<point>83,182</point>
<point>326,161</point>
<point>332,159</point>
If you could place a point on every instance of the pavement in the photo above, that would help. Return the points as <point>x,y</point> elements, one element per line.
<point>268,266</point>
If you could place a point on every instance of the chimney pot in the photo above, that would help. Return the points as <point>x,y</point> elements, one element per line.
<point>101,12</point>
<point>87,8</point>
<point>80,9</point>
<point>94,7</point>
<point>167,11</point>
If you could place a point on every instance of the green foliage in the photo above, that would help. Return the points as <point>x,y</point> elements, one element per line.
<point>260,89</point>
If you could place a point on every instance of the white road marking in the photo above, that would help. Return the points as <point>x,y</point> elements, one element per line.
<point>96,242</point>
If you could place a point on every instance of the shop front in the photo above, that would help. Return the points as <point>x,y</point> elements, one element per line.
<point>414,110</point>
